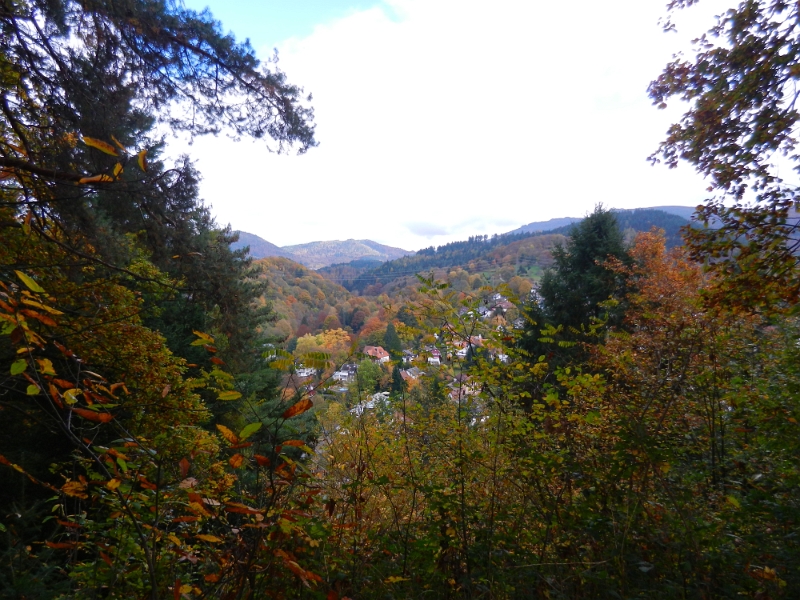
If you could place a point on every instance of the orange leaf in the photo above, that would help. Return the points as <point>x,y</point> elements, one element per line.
<point>298,408</point>
<point>209,538</point>
<point>90,415</point>
<point>39,317</point>
<point>262,461</point>
<point>244,445</point>
<point>184,464</point>
<point>228,434</point>
<point>295,443</point>
<point>101,145</point>
<point>236,460</point>
<point>74,488</point>
<point>96,179</point>
<point>235,507</point>
<point>217,361</point>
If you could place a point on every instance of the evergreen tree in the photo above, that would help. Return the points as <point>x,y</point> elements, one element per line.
<point>572,292</point>
<point>391,341</point>
<point>571,295</point>
<point>398,385</point>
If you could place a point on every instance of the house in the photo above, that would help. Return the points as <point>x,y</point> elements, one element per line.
<point>435,357</point>
<point>347,373</point>
<point>377,353</point>
<point>410,376</point>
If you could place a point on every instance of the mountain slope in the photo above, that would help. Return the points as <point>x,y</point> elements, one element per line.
<point>499,256</point>
<point>550,225</point>
<point>321,254</point>
<point>259,247</point>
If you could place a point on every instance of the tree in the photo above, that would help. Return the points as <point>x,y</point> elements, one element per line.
<point>571,296</point>
<point>398,385</point>
<point>742,122</point>
<point>86,85</point>
<point>572,292</point>
<point>391,340</point>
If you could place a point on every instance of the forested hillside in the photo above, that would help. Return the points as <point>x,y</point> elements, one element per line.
<point>497,258</point>
<point>304,302</point>
<point>181,422</point>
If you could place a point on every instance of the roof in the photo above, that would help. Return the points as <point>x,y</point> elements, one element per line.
<point>375,351</point>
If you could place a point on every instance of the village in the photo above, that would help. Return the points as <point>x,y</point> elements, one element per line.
<point>371,378</point>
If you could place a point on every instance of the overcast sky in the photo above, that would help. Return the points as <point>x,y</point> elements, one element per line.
<point>440,119</point>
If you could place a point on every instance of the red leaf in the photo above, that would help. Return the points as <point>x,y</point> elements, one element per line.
<point>184,464</point>
<point>185,519</point>
<point>61,545</point>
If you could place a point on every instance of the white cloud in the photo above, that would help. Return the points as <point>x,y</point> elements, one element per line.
<point>440,119</point>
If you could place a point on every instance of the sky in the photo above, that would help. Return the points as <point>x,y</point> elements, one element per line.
<point>441,119</point>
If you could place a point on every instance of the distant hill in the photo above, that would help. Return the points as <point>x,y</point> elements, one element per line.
<point>321,254</point>
<point>545,225</point>
<point>559,225</point>
<point>525,253</point>
<point>259,248</point>
<point>644,219</point>
<point>682,211</point>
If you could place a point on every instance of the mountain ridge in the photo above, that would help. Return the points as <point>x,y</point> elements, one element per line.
<point>315,255</point>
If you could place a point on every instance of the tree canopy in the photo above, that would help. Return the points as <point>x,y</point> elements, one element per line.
<point>739,131</point>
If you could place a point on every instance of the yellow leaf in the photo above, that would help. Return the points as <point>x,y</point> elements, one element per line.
<point>29,283</point>
<point>200,334</point>
<point>141,158</point>
<point>32,390</point>
<point>71,396</point>
<point>113,484</point>
<point>46,366</point>
<point>208,538</point>
<point>396,579</point>
<point>229,395</point>
<point>100,145</point>
<point>185,588</point>
<point>117,169</point>
<point>174,539</point>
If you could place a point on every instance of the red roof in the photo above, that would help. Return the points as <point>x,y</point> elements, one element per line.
<point>376,352</point>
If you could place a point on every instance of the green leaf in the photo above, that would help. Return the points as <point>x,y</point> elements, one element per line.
<point>18,366</point>
<point>592,417</point>
<point>734,501</point>
<point>32,390</point>
<point>229,395</point>
<point>29,283</point>
<point>249,430</point>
